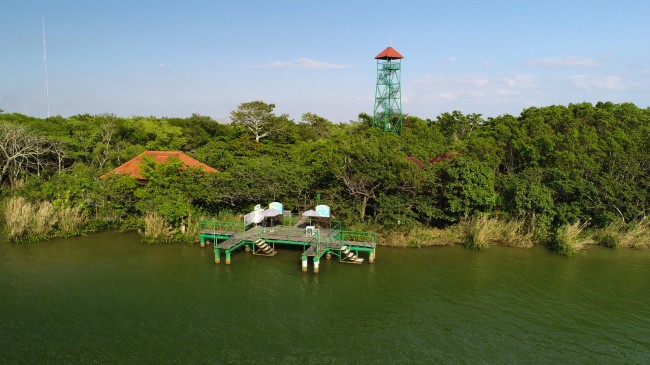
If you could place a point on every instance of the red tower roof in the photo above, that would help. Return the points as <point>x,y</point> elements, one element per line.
<point>389,54</point>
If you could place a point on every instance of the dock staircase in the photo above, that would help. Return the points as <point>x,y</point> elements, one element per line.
<point>349,256</point>
<point>264,248</point>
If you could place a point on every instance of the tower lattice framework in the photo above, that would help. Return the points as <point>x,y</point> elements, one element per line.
<point>388,94</point>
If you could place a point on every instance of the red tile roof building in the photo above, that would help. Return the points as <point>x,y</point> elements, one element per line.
<point>133,167</point>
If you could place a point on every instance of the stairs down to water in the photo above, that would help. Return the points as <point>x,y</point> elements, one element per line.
<point>349,256</point>
<point>264,248</point>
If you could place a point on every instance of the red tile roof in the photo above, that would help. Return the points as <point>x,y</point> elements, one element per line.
<point>133,166</point>
<point>389,54</point>
<point>416,161</point>
<point>445,156</point>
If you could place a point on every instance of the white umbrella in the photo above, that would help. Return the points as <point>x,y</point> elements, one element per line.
<point>271,213</point>
<point>311,213</point>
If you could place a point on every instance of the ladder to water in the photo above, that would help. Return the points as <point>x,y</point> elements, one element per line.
<point>349,256</point>
<point>264,248</point>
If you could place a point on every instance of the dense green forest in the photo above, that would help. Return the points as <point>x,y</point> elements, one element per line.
<point>548,170</point>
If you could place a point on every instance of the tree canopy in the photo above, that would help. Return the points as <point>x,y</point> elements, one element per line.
<point>548,166</point>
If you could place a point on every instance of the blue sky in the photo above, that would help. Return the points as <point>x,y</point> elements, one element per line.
<point>175,58</point>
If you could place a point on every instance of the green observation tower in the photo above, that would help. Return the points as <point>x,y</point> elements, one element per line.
<point>388,96</point>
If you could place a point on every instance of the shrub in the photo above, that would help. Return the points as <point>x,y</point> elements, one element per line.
<point>608,240</point>
<point>191,231</point>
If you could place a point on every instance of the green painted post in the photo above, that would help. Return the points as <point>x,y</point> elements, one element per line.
<point>227,257</point>
<point>217,255</point>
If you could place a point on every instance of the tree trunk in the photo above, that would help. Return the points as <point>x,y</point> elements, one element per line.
<point>362,208</point>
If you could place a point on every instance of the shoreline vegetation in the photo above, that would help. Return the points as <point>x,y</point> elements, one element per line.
<point>565,177</point>
<point>27,222</point>
<point>480,233</point>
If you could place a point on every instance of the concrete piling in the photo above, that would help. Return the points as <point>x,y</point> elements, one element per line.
<point>316,265</point>
<point>304,263</point>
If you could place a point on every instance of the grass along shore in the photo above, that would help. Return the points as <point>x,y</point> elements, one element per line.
<point>480,233</point>
<point>28,222</point>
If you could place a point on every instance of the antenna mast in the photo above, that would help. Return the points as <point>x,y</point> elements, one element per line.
<point>47,95</point>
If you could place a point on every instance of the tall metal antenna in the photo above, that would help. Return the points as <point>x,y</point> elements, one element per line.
<point>47,94</point>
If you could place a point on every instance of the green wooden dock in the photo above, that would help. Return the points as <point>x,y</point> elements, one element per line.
<point>346,246</point>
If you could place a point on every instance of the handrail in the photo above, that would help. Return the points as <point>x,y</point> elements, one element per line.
<point>367,237</point>
<point>214,224</point>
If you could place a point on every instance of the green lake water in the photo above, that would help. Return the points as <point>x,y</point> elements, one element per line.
<point>107,298</point>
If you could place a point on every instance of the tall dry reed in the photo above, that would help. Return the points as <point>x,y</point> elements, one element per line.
<point>421,237</point>
<point>70,220</point>
<point>637,234</point>
<point>156,229</point>
<point>570,239</point>
<point>29,221</point>
<point>44,219</point>
<point>481,232</point>
<point>18,214</point>
<point>630,235</point>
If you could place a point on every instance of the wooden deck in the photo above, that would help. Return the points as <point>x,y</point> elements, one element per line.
<point>314,242</point>
<point>230,242</point>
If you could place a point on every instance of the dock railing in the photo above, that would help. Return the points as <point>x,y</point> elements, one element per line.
<point>357,236</point>
<point>215,225</point>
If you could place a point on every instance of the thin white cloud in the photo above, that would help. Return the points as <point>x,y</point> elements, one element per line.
<point>303,63</point>
<point>570,61</point>
<point>446,62</point>
<point>520,89</point>
<point>469,86</point>
<point>597,83</point>
<point>163,66</point>
<point>368,98</point>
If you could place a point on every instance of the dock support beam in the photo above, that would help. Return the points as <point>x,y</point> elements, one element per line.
<point>202,241</point>
<point>227,257</point>
<point>316,265</point>
<point>304,263</point>
<point>217,256</point>
<point>372,256</point>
